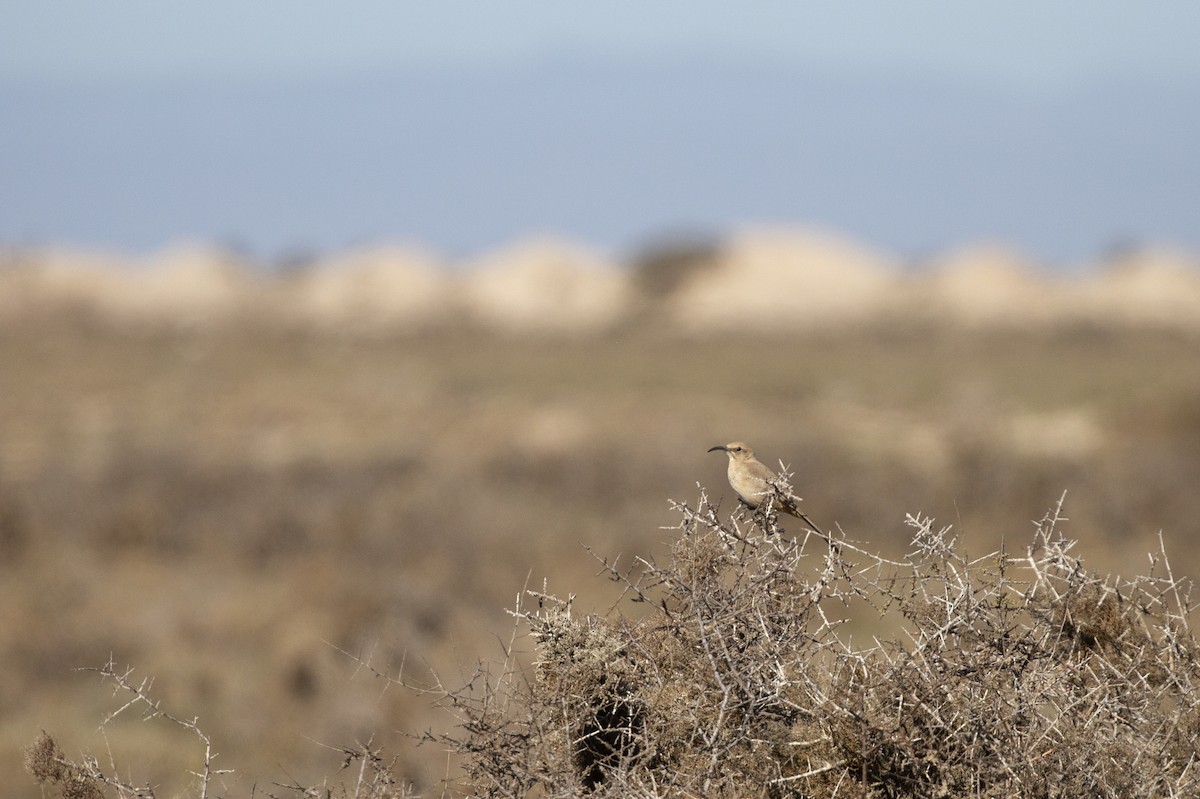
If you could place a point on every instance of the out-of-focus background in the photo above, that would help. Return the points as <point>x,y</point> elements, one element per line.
<point>331,328</point>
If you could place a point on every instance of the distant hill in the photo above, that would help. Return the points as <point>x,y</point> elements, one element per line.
<point>758,281</point>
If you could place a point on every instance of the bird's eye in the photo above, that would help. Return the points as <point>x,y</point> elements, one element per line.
<point>737,449</point>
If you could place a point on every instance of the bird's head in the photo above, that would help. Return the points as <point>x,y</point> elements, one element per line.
<point>736,450</point>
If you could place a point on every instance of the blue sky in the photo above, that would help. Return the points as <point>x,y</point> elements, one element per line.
<point>1062,128</point>
<point>1022,43</point>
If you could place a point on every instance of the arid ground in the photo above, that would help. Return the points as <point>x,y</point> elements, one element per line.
<point>230,510</point>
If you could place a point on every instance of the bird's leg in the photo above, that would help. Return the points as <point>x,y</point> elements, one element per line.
<point>757,514</point>
<point>767,518</point>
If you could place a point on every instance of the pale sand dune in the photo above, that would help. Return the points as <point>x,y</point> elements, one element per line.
<point>778,280</point>
<point>60,279</point>
<point>761,281</point>
<point>986,285</point>
<point>374,289</point>
<point>545,284</point>
<point>187,285</point>
<point>1150,286</point>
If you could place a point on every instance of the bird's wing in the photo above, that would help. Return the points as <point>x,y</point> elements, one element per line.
<point>788,503</point>
<point>760,471</point>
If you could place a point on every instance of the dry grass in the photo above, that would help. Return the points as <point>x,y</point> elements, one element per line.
<point>215,506</point>
<point>1014,674</point>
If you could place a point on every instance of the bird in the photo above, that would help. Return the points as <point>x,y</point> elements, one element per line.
<point>753,481</point>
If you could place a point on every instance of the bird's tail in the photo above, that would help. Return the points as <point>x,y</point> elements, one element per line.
<point>790,507</point>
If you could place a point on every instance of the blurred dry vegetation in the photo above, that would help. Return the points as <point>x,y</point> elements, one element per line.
<point>230,481</point>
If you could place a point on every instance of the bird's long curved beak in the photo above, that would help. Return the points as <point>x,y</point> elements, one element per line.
<point>721,447</point>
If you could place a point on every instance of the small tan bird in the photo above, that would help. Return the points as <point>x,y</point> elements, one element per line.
<point>752,480</point>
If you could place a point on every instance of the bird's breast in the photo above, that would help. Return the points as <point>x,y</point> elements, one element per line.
<point>749,487</point>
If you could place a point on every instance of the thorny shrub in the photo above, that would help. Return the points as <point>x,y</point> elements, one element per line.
<point>371,777</point>
<point>1014,674</point>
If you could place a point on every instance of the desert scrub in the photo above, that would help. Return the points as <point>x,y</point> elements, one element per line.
<point>728,670</point>
<point>1012,674</point>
